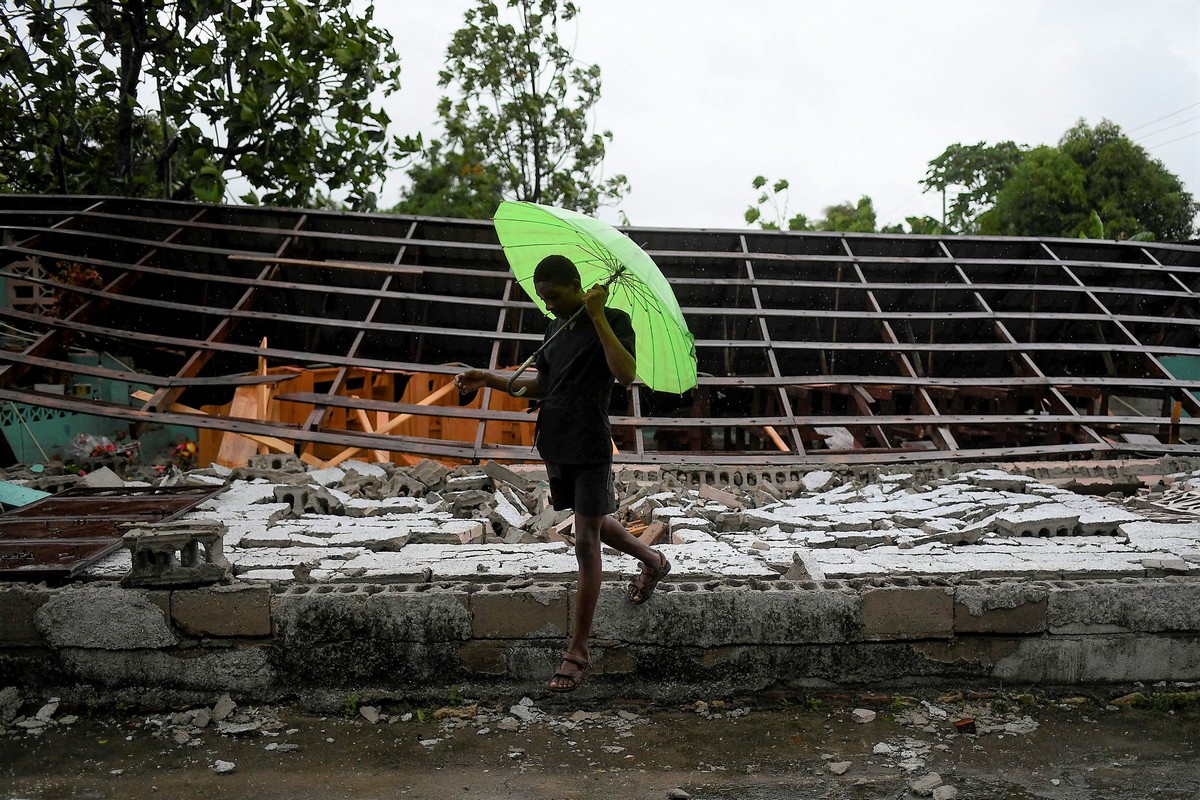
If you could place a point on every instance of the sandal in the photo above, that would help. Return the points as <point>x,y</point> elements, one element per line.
<point>641,587</point>
<point>575,678</point>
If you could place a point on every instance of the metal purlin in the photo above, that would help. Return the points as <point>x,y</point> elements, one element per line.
<point>785,402</point>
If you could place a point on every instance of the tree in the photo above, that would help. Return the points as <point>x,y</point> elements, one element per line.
<point>770,212</point>
<point>521,115</point>
<point>857,218</point>
<point>769,200</point>
<point>977,171</point>
<point>1131,192</point>
<point>177,98</point>
<point>1046,196</point>
<point>1096,182</point>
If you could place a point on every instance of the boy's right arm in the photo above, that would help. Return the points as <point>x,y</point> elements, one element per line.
<point>475,379</point>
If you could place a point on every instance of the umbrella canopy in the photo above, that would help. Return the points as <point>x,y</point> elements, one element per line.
<point>666,351</point>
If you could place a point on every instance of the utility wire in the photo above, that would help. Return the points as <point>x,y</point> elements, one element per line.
<point>1169,127</point>
<point>1172,141</point>
<point>1160,119</point>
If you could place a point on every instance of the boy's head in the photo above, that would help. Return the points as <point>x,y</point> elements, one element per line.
<point>558,270</point>
<point>556,281</point>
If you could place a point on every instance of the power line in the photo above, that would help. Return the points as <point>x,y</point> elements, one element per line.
<point>1172,141</point>
<point>1160,119</point>
<point>1169,127</point>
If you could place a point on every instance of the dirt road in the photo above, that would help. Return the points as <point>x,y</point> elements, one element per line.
<point>805,747</point>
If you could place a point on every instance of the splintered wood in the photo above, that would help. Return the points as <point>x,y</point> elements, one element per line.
<point>284,402</point>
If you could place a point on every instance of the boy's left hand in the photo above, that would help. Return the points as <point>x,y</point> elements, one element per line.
<point>594,300</point>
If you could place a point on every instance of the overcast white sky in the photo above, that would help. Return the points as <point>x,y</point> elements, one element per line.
<point>841,97</point>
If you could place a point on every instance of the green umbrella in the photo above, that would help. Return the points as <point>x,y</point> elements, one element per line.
<point>666,351</point>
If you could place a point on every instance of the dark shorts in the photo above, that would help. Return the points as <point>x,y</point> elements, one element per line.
<point>586,488</point>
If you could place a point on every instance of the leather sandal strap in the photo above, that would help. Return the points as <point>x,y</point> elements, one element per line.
<point>576,660</point>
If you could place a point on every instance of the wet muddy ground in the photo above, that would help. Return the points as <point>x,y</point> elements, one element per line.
<point>1023,747</point>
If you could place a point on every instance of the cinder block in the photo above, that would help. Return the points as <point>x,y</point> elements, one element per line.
<point>908,613</point>
<point>1026,618</point>
<point>1143,607</point>
<point>744,616</point>
<point>1067,660</point>
<point>521,614</point>
<point>18,607</point>
<point>1005,608</point>
<point>483,658</point>
<point>240,610</point>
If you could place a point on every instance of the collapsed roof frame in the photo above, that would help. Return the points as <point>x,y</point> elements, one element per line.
<point>916,347</point>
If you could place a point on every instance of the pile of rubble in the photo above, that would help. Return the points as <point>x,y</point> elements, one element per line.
<point>384,522</point>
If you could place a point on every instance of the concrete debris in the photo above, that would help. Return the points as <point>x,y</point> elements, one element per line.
<point>223,708</point>
<point>678,794</point>
<point>840,767</point>
<point>863,715</point>
<point>223,767</point>
<point>369,522</point>
<point>370,714</point>
<point>924,785</point>
<point>10,704</point>
<point>945,793</point>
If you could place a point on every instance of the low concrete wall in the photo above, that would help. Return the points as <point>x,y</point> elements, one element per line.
<point>727,636</point>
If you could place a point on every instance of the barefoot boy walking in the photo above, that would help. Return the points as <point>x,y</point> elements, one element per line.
<point>575,376</point>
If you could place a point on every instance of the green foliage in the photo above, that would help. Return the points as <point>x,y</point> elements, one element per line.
<point>858,218</point>
<point>1132,192</point>
<point>519,123</point>
<point>1046,196</point>
<point>176,98</point>
<point>770,211</point>
<point>1096,183</point>
<point>350,707</point>
<point>977,171</point>
<point>451,184</point>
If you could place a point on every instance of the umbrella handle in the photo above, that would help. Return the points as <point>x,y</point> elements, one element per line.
<point>509,386</point>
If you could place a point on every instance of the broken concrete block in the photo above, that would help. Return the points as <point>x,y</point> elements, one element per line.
<point>276,462</point>
<point>103,478</point>
<point>731,521</point>
<point>430,473</point>
<point>327,477</point>
<point>1050,519</point>
<point>508,514</point>
<point>724,498</point>
<point>176,554</point>
<point>924,785</point>
<point>466,483</point>
<point>564,531</point>
<point>10,705</point>
<point>402,484</point>
<point>308,500</point>
<point>816,481</point>
<point>469,503</point>
<point>503,474</point>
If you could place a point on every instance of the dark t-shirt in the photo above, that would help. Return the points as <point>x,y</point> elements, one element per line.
<point>573,426</point>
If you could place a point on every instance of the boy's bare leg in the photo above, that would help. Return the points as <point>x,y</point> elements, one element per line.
<point>613,534</point>
<point>587,554</point>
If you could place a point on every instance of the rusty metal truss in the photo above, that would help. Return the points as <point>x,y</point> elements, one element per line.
<point>812,347</point>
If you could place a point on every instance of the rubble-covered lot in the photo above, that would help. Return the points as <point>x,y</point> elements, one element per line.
<point>372,575</point>
<point>1128,742</point>
<point>369,522</point>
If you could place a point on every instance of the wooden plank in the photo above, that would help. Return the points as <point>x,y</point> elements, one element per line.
<point>393,423</point>
<point>777,439</point>
<point>236,449</point>
<point>273,444</point>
